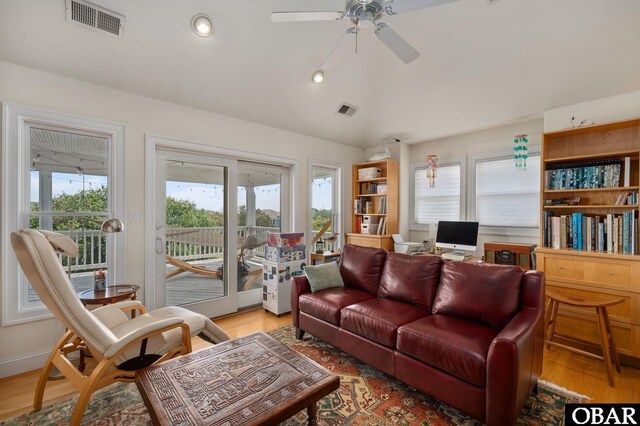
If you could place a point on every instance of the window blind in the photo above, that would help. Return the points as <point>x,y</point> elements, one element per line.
<point>441,202</point>
<point>505,197</point>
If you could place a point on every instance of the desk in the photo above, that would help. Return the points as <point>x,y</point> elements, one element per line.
<point>317,258</point>
<point>470,259</point>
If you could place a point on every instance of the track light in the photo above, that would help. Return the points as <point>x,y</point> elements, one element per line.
<point>318,77</point>
<point>202,25</point>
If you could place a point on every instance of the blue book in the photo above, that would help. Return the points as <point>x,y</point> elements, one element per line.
<point>574,231</point>
<point>580,241</point>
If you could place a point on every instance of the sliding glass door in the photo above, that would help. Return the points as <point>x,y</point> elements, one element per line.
<point>263,206</point>
<point>195,245</point>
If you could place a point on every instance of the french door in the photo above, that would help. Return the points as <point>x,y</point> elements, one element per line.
<point>211,216</point>
<point>195,238</point>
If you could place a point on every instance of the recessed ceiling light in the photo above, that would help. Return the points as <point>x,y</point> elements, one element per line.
<point>202,25</point>
<point>318,77</point>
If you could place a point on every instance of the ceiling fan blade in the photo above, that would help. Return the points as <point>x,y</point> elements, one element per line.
<point>393,7</point>
<point>306,16</point>
<point>338,50</point>
<point>396,43</point>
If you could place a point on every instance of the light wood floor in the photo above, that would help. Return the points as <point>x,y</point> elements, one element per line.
<point>574,372</point>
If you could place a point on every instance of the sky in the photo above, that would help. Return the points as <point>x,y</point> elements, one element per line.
<point>206,196</point>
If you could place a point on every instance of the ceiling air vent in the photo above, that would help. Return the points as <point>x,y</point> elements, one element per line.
<point>346,109</point>
<point>94,17</point>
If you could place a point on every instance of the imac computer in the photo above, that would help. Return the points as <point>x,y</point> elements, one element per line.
<point>460,236</point>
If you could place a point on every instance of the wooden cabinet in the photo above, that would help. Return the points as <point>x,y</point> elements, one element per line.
<point>375,202</point>
<point>584,263</point>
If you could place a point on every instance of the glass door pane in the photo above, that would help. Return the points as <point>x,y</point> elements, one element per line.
<point>325,221</point>
<point>194,242</point>
<point>262,191</point>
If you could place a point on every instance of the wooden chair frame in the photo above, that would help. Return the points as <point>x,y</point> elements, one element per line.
<point>106,372</point>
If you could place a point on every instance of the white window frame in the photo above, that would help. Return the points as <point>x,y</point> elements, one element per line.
<point>337,194</point>
<point>16,195</point>
<point>497,230</point>
<point>443,162</point>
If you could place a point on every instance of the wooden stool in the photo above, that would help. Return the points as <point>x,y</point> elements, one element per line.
<point>607,344</point>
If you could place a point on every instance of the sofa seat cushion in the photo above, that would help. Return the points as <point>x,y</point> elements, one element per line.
<point>327,304</point>
<point>454,345</point>
<point>379,319</point>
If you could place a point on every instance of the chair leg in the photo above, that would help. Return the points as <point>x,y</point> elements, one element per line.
<point>299,333</point>
<point>46,369</point>
<point>612,342</point>
<point>604,342</point>
<point>553,319</point>
<point>88,389</point>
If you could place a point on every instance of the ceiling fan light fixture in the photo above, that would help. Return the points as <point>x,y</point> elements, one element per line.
<point>202,25</point>
<point>318,77</point>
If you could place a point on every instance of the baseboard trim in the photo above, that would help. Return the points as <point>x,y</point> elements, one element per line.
<point>24,363</point>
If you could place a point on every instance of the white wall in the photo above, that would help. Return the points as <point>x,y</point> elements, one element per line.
<point>613,108</point>
<point>25,346</point>
<point>491,140</point>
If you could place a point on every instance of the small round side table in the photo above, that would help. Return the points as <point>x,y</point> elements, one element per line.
<point>110,294</point>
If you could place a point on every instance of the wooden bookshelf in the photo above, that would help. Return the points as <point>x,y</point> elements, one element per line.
<point>388,201</point>
<point>591,271</point>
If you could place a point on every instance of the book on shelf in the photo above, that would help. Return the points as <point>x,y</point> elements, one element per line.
<point>368,207</point>
<point>563,202</point>
<point>627,171</point>
<point>382,207</point>
<point>368,188</point>
<point>585,174</point>
<point>381,225</point>
<point>613,233</point>
<point>627,199</point>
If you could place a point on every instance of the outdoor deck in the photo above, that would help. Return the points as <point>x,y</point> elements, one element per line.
<point>184,288</point>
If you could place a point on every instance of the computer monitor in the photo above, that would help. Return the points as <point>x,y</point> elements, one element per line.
<point>460,236</point>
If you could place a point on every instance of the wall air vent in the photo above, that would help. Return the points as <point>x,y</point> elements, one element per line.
<point>347,110</point>
<point>90,16</point>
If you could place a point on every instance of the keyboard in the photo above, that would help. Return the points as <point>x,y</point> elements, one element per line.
<point>454,256</point>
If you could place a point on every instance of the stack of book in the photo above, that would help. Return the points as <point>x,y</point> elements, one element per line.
<point>369,188</point>
<point>611,233</point>
<point>586,175</point>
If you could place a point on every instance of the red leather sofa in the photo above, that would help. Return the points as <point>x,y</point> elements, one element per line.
<point>469,334</point>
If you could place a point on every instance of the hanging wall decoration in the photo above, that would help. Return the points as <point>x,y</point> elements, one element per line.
<point>520,152</point>
<point>432,167</point>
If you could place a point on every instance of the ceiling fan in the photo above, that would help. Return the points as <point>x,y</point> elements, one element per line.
<point>365,13</point>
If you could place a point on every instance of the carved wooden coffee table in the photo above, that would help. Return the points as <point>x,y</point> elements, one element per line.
<point>248,381</point>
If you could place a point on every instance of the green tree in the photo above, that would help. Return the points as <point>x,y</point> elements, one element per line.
<point>319,217</point>
<point>262,218</point>
<point>185,214</point>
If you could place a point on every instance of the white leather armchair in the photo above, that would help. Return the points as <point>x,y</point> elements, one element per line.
<point>119,344</point>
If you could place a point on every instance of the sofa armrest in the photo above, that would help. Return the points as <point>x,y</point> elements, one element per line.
<point>512,370</point>
<point>299,287</point>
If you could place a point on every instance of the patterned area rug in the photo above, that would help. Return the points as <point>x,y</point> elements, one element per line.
<point>366,397</point>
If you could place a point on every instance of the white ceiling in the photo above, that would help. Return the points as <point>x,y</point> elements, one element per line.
<point>481,65</point>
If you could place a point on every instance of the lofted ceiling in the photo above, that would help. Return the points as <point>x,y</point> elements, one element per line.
<point>481,65</point>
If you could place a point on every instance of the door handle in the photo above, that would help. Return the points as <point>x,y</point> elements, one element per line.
<point>159,248</point>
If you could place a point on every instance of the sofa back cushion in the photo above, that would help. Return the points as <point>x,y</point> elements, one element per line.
<point>410,279</point>
<point>489,294</point>
<point>361,267</point>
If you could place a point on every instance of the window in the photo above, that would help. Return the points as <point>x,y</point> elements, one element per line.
<point>443,202</point>
<point>505,197</point>
<point>59,174</point>
<point>325,206</point>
